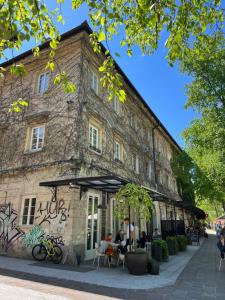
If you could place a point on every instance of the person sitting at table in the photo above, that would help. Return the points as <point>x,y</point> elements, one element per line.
<point>119,237</point>
<point>108,238</point>
<point>142,240</point>
<point>109,251</point>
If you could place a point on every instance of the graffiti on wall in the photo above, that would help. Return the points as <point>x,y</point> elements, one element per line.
<point>9,230</point>
<point>37,235</point>
<point>53,209</point>
<point>33,236</point>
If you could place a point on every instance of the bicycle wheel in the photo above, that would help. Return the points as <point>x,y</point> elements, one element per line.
<point>39,252</point>
<point>57,254</point>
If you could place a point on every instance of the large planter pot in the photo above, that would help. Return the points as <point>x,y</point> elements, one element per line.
<point>153,267</point>
<point>157,252</point>
<point>136,262</point>
<point>171,247</point>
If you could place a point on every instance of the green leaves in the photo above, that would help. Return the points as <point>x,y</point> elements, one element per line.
<point>205,137</point>
<point>18,70</point>
<point>112,80</point>
<point>101,36</point>
<point>17,105</point>
<point>135,197</point>
<point>68,86</point>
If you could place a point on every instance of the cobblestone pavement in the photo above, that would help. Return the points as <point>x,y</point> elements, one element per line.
<point>199,280</point>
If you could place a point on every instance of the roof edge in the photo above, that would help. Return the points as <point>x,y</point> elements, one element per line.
<point>84,26</point>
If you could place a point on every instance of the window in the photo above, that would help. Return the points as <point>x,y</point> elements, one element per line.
<point>132,120</point>
<point>94,82</point>
<point>43,83</point>
<point>37,138</point>
<point>174,185</point>
<point>167,181</point>
<point>159,176</point>
<point>94,138</point>
<point>116,105</point>
<point>136,163</point>
<point>149,170</point>
<point>28,211</point>
<point>118,151</point>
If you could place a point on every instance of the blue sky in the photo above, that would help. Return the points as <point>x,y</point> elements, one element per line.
<point>162,87</point>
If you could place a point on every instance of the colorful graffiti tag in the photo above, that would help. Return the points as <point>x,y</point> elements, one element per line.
<point>54,209</point>
<point>9,230</point>
<point>32,237</point>
<point>36,234</point>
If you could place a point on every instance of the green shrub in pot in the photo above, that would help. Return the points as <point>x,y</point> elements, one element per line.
<point>172,245</point>
<point>153,267</point>
<point>160,250</point>
<point>182,242</point>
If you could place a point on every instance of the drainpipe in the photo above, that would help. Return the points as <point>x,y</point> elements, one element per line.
<point>153,152</point>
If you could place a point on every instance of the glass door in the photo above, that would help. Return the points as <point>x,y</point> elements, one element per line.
<point>93,221</point>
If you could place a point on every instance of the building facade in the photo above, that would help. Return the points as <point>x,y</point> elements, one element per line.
<point>65,155</point>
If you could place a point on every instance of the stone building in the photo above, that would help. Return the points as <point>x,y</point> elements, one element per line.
<point>63,157</point>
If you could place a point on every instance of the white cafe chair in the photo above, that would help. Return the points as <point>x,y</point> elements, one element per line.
<point>98,255</point>
<point>121,258</point>
<point>148,246</point>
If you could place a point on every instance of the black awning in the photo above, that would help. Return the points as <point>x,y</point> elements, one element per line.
<point>108,183</point>
<point>198,212</point>
<point>157,196</point>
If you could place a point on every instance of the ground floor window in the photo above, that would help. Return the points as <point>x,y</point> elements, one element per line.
<point>28,211</point>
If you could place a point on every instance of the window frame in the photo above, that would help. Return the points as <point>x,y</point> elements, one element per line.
<point>98,147</point>
<point>31,138</point>
<point>149,170</point>
<point>116,105</point>
<point>94,75</point>
<point>120,151</point>
<point>136,163</point>
<point>30,198</point>
<point>39,80</point>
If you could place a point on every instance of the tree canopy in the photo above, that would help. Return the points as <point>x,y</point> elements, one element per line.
<point>205,137</point>
<point>187,25</point>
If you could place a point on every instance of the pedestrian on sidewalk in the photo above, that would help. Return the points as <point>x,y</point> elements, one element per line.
<point>223,231</point>
<point>221,246</point>
<point>218,231</point>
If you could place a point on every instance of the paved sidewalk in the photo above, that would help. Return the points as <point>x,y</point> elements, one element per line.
<point>199,280</point>
<point>108,277</point>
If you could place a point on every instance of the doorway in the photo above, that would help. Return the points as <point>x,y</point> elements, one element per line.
<point>92,225</point>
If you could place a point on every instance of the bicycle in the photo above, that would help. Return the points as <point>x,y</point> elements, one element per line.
<point>47,248</point>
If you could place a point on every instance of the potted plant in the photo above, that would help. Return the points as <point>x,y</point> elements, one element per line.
<point>160,250</point>
<point>134,199</point>
<point>153,267</point>
<point>172,245</point>
<point>182,242</point>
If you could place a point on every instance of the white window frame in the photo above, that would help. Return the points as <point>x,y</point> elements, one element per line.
<point>46,75</point>
<point>136,163</point>
<point>118,155</point>
<point>94,82</point>
<point>31,138</point>
<point>29,210</point>
<point>150,170</point>
<point>116,105</point>
<point>91,139</point>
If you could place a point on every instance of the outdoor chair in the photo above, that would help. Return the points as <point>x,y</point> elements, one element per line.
<point>148,246</point>
<point>121,258</point>
<point>98,255</point>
